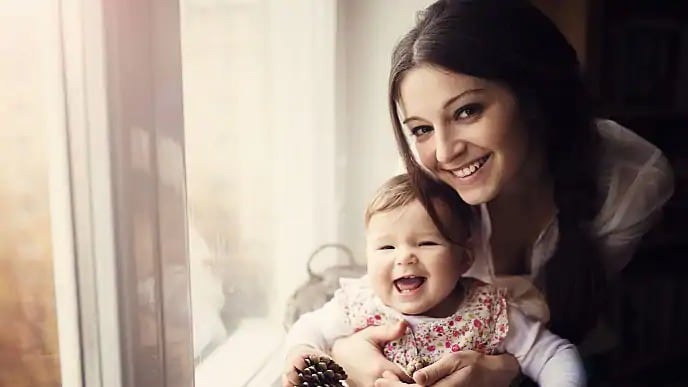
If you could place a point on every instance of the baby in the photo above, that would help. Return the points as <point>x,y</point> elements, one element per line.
<point>415,274</point>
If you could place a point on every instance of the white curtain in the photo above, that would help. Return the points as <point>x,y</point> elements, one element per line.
<point>259,106</point>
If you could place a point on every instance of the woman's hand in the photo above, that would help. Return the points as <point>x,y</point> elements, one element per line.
<point>463,368</point>
<point>361,355</point>
<point>468,368</point>
<point>389,379</point>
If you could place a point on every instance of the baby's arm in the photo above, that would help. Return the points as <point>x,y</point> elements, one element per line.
<point>313,334</point>
<point>321,327</point>
<point>544,357</point>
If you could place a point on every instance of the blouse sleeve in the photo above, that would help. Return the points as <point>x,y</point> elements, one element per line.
<point>638,182</point>
<point>321,327</point>
<point>544,357</point>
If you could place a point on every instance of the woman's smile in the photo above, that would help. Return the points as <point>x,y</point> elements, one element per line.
<point>477,152</point>
<point>470,169</point>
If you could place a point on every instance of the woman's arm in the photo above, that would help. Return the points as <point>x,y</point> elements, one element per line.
<point>638,181</point>
<point>469,368</point>
<point>361,354</point>
<point>548,359</point>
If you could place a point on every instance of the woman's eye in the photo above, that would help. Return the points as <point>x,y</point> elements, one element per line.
<point>386,247</point>
<point>421,130</point>
<point>468,111</point>
<point>428,243</point>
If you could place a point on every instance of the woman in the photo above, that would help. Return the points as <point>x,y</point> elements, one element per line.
<point>486,97</point>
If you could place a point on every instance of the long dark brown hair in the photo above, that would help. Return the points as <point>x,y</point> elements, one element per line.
<point>513,43</point>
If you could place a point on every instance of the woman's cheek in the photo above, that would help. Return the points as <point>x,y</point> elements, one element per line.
<point>425,155</point>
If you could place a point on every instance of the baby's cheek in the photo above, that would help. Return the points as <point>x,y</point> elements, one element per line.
<point>377,272</point>
<point>380,285</point>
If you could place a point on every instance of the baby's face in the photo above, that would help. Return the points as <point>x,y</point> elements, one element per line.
<point>411,266</point>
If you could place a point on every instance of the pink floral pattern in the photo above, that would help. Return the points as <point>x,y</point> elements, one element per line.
<point>480,324</point>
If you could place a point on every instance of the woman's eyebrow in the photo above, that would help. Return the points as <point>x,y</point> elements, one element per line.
<point>448,102</point>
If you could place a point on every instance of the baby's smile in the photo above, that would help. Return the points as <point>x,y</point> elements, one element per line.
<point>409,284</point>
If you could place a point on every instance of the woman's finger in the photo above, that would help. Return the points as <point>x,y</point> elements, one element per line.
<point>360,354</point>
<point>390,380</point>
<point>437,371</point>
<point>390,376</point>
<point>393,372</point>
<point>460,378</point>
<point>382,334</point>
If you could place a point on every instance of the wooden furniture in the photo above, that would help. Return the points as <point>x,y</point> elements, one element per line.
<point>635,56</point>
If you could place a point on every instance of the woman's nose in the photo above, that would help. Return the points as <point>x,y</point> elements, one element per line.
<point>448,147</point>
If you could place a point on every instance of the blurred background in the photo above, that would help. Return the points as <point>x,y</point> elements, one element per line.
<point>286,135</point>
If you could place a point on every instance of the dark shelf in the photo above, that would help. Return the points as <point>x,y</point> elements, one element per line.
<point>637,68</point>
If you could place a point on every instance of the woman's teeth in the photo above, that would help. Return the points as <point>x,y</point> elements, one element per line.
<point>471,168</point>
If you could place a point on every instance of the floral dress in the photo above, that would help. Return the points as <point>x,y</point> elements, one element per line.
<point>481,324</point>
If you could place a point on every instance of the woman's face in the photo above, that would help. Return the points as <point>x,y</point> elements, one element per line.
<point>466,131</point>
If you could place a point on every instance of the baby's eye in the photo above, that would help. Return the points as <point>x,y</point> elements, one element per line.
<point>386,247</point>
<point>428,243</point>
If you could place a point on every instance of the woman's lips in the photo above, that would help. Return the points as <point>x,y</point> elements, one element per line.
<point>471,168</point>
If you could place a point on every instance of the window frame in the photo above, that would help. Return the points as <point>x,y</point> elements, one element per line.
<point>125,180</point>
<point>123,106</point>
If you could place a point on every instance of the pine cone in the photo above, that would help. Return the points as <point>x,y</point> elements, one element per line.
<point>321,372</point>
<point>417,364</point>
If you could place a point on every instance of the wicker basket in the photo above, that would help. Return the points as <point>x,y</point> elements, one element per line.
<point>320,287</point>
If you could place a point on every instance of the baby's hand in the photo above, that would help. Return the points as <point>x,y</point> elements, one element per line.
<point>296,361</point>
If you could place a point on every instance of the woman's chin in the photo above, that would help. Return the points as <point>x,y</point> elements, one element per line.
<point>475,195</point>
<point>474,190</point>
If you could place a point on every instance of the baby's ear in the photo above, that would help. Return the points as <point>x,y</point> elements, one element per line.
<point>471,242</point>
<point>467,257</point>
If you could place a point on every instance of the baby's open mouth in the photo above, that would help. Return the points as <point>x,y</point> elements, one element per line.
<point>407,284</point>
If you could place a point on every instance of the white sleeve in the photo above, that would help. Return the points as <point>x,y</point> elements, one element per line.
<point>544,357</point>
<point>321,327</point>
<point>638,181</point>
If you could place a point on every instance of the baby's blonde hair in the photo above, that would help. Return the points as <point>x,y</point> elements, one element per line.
<point>394,193</point>
<point>399,191</point>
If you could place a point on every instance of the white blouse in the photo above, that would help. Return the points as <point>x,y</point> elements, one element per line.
<point>638,181</point>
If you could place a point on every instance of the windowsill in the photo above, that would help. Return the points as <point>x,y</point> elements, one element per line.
<point>252,352</point>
